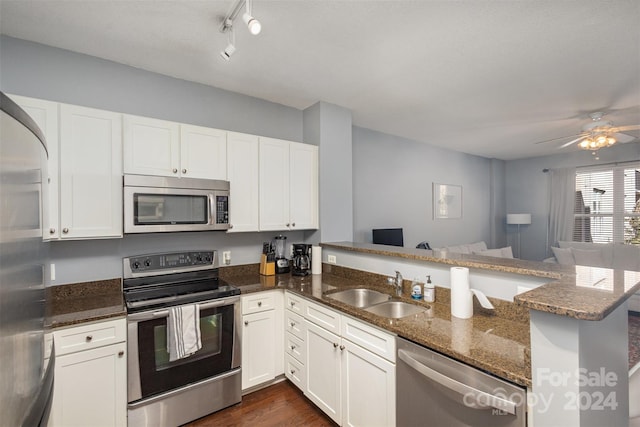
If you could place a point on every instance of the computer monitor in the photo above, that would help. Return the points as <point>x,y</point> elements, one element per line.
<point>388,236</point>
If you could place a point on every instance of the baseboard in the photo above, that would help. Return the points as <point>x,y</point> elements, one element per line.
<point>276,380</point>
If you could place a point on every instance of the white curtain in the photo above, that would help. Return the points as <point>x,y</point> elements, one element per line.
<point>562,202</point>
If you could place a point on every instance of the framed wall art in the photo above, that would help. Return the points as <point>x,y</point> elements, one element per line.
<point>447,201</point>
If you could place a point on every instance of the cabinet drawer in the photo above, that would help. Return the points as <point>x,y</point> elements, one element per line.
<point>294,303</point>
<point>80,338</point>
<point>294,324</point>
<point>295,371</point>
<point>323,317</point>
<point>255,303</point>
<point>295,347</point>
<point>369,338</point>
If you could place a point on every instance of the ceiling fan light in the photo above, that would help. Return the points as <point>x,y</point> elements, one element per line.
<point>611,140</point>
<point>601,140</point>
<point>585,143</point>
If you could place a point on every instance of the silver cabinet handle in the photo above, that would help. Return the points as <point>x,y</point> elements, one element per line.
<point>65,230</point>
<point>175,170</point>
<point>184,171</point>
<point>230,226</point>
<point>293,224</point>
<point>292,324</point>
<point>481,399</point>
<point>287,224</point>
<point>292,372</point>
<point>341,348</point>
<point>120,353</point>
<point>292,303</point>
<point>335,345</point>
<point>52,230</point>
<point>259,303</point>
<point>293,347</point>
<point>246,323</point>
<point>89,338</point>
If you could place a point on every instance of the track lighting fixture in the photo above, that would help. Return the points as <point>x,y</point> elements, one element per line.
<point>251,22</point>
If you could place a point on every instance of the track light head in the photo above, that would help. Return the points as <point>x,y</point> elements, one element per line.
<point>228,51</point>
<point>252,23</point>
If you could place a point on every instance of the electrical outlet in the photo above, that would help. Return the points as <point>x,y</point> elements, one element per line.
<point>331,259</point>
<point>226,257</point>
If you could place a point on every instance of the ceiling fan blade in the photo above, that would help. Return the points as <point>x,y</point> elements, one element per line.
<point>625,128</point>
<point>572,142</point>
<point>623,138</point>
<point>581,135</point>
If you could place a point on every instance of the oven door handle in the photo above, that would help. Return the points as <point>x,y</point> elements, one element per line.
<point>148,315</point>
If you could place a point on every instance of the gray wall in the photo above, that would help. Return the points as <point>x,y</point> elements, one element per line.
<point>528,188</point>
<point>44,72</point>
<point>392,187</point>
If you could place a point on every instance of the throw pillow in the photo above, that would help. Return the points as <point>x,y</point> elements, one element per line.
<point>563,255</point>
<point>507,252</point>
<point>589,257</point>
<point>477,247</point>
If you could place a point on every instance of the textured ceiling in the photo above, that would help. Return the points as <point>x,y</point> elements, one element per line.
<point>484,77</point>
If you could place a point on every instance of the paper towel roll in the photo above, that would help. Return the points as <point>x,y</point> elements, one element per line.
<point>461,297</point>
<point>316,260</point>
<point>316,286</point>
<point>461,334</point>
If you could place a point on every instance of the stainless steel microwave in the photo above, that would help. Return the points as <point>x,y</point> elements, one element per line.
<point>156,204</point>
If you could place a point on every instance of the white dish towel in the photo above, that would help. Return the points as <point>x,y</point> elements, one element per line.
<point>183,331</point>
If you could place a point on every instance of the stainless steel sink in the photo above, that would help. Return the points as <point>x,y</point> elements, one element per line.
<point>360,297</point>
<point>395,309</point>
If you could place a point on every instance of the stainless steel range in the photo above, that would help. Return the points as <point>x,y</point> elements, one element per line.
<point>171,393</point>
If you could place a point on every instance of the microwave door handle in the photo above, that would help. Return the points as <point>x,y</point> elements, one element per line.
<point>212,209</point>
<point>481,399</point>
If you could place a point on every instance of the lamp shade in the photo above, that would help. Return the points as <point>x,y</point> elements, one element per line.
<point>519,219</point>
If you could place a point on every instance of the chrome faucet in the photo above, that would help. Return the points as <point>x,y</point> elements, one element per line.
<point>398,283</point>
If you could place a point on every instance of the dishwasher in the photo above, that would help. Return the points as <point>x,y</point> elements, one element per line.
<point>435,390</point>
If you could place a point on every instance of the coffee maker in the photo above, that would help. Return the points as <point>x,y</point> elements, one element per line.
<point>301,259</point>
<point>282,263</point>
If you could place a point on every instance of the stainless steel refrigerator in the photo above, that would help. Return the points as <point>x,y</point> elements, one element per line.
<point>26,383</point>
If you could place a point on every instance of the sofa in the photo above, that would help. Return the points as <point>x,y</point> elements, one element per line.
<point>478,248</point>
<point>606,255</point>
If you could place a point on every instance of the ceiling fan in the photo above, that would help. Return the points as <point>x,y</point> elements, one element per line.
<point>597,134</point>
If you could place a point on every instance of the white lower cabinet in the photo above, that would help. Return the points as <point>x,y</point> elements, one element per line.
<point>90,387</point>
<point>262,336</point>
<point>350,365</point>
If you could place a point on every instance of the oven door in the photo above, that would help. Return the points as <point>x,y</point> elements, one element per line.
<point>149,370</point>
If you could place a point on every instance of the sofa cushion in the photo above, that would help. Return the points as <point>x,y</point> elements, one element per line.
<point>605,248</point>
<point>500,253</point>
<point>563,255</point>
<point>589,257</point>
<point>478,246</point>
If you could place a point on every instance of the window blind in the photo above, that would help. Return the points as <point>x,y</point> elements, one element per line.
<point>607,205</point>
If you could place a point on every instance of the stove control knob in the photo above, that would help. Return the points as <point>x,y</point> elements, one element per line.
<point>136,265</point>
<point>147,262</point>
<point>207,258</point>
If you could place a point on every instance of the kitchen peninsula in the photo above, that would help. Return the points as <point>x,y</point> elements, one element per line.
<point>575,377</point>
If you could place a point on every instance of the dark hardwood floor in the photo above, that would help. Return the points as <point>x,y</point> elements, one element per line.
<point>281,404</point>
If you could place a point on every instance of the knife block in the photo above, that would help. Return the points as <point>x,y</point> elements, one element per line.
<point>267,268</point>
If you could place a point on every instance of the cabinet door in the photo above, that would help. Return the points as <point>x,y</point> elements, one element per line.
<point>90,388</point>
<point>151,146</point>
<point>90,173</point>
<point>203,152</point>
<point>45,114</point>
<point>303,201</point>
<point>324,370</point>
<point>368,388</point>
<point>243,173</point>
<point>258,348</point>
<point>274,184</point>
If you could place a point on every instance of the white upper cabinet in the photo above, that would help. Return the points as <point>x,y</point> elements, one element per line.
<point>90,173</point>
<point>203,152</point>
<point>45,114</point>
<point>151,146</point>
<point>288,185</point>
<point>242,167</point>
<point>160,147</point>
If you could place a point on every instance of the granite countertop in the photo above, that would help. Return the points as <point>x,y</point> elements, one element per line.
<point>495,343</point>
<point>585,293</point>
<point>77,303</point>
